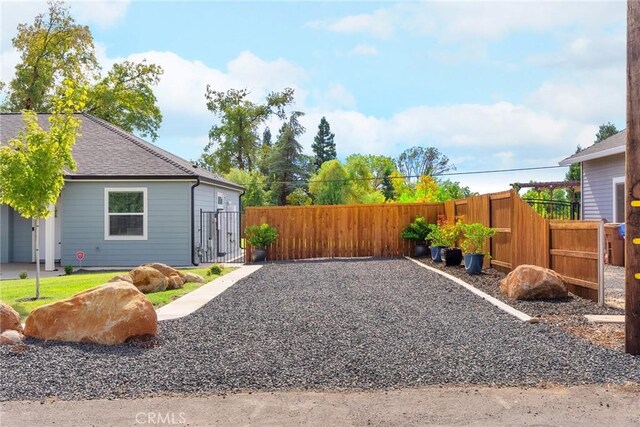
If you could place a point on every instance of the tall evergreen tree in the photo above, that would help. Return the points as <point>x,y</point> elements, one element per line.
<point>287,165</point>
<point>574,172</point>
<point>266,137</point>
<point>324,148</point>
<point>605,131</point>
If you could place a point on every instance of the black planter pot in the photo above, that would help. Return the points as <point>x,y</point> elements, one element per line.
<point>452,256</point>
<point>473,263</point>
<point>258,255</point>
<point>421,250</point>
<point>436,252</point>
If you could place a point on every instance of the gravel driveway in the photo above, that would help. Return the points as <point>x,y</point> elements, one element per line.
<point>356,324</point>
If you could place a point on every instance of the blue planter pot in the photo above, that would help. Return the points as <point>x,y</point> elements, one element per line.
<point>473,263</point>
<point>436,253</point>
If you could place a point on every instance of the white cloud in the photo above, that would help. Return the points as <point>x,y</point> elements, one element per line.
<point>8,61</point>
<point>380,23</point>
<point>364,50</point>
<point>103,13</point>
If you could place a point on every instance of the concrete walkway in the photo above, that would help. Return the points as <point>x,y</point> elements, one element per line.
<point>192,301</point>
<point>448,405</point>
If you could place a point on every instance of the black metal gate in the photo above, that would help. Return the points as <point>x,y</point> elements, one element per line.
<point>220,237</point>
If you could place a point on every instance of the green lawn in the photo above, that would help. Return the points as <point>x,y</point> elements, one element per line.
<point>60,287</point>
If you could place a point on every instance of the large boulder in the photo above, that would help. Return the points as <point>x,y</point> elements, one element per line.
<point>174,282</point>
<point>125,277</point>
<point>529,282</point>
<point>108,314</point>
<point>9,318</point>
<point>165,269</point>
<point>11,337</point>
<point>193,278</point>
<point>148,279</point>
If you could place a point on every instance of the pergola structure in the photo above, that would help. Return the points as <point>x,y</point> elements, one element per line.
<point>549,185</point>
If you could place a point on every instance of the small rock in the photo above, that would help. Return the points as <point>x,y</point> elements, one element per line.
<point>11,337</point>
<point>174,282</point>
<point>9,318</point>
<point>148,279</point>
<point>527,282</point>
<point>126,277</point>
<point>165,269</point>
<point>193,278</point>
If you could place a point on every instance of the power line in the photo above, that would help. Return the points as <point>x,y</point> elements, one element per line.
<point>418,176</point>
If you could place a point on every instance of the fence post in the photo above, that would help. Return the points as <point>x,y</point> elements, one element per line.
<point>601,264</point>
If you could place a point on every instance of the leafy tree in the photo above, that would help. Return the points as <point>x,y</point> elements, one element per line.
<point>377,165</point>
<point>54,49</point>
<point>388,191</point>
<point>298,197</point>
<point>418,161</point>
<point>575,170</point>
<point>287,162</point>
<point>266,137</point>
<point>361,189</point>
<point>234,142</point>
<point>452,190</point>
<point>255,186</point>
<point>329,185</point>
<point>33,164</point>
<point>324,148</point>
<point>605,131</point>
<point>124,97</point>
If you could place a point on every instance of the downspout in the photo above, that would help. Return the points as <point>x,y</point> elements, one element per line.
<point>193,221</point>
<point>240,218</point>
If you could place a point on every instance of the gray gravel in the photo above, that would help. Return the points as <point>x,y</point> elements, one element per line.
<point>321,325</point>
<point>489,282</point>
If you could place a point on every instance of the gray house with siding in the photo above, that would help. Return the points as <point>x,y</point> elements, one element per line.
<point>602,179</point>
<point>128,202</point>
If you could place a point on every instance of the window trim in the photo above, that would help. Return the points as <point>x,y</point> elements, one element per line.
<point>145,213</point>
<point>615,181</point>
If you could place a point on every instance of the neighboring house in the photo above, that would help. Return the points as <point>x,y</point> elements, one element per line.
<point>602,179</point>
<point>129,202</point>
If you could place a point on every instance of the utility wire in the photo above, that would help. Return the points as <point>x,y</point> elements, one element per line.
<point>418,176</point>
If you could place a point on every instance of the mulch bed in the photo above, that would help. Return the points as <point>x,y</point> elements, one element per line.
<point>567,314</point>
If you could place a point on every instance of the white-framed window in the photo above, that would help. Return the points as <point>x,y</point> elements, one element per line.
<point>125,214</point>
<point>618,199</point>
<point>220,201</point>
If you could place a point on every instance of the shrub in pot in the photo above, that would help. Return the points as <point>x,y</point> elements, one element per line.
<point>475,239</point>
<point>438,242</point>
<point>417,231</point>
<point>259,237</point>
<point>451,232</point>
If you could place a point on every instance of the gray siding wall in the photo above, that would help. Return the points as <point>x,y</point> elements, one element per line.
<point>597,186</point>
<point>169,225</point>
<point>5,232</point>
<point>21,236</point>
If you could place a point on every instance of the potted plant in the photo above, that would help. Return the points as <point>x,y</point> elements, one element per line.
<point>438,242</point>
<point>476,236</point>
<point>451,232</point>
<point>417,231</point>
<point>259,237</point>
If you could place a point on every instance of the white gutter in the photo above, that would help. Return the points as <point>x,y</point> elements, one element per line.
<point>598,154</point>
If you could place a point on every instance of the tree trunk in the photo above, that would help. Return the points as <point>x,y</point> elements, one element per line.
<point>632,238</point>
<point>37,258</point>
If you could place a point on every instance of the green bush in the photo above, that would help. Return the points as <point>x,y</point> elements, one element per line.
<point>215,270</point>
<point>475,237</point>
<point>23,275</point>
<point>68,269</point>
<point>260,236</point>
<point>417,230</point>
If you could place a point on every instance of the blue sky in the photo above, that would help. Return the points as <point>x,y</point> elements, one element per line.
<point>493,85</point>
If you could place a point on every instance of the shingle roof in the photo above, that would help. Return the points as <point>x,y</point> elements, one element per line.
<point>615,144</point>
<point>105,151</point>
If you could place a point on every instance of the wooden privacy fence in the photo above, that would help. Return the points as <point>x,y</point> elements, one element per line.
<point>340,231</point>
<point>574,249</point>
